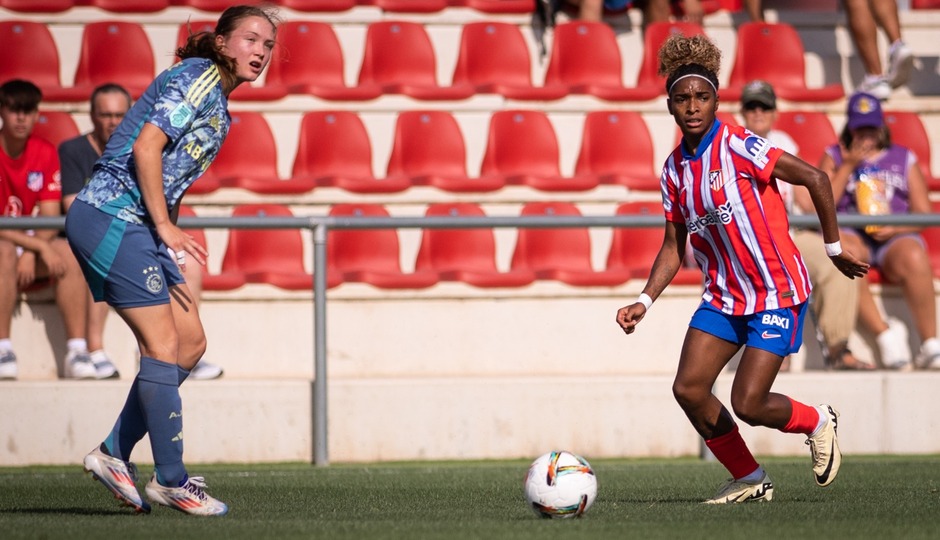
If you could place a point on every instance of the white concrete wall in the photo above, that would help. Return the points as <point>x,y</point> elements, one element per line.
<point>454,372</point>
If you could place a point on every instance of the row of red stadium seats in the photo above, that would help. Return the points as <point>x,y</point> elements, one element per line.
<point>151,6</point>
<point>522,148</point>
<point>403,6</point>
<point>372,256</point>
<point>275,257</point>
<point>399,58</point>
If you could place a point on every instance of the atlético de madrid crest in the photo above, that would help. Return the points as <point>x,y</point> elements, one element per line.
<point>716,180</point>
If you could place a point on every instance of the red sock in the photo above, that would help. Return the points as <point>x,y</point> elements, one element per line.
<point>803,419</point>
<point>731,451</point>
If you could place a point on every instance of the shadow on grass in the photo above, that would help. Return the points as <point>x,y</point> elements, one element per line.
<point>68,511</point>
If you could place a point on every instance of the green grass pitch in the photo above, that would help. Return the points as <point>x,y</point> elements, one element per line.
<point>874,497</point>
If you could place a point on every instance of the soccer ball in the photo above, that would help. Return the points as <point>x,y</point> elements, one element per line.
<point>560,484</point>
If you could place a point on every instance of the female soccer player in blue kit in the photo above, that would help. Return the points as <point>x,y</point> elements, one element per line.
<point>719,189</point>
<point>123,232</point>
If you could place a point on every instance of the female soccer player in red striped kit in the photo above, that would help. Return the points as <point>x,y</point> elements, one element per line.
<point>719,188</point>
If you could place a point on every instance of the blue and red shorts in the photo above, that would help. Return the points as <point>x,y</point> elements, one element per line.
<point>779,331</point>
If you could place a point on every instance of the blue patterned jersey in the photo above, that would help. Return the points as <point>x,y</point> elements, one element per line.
<point>186,102</point>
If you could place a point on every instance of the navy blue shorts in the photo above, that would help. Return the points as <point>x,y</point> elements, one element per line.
<point>779,331</point>
<point>125,264</point>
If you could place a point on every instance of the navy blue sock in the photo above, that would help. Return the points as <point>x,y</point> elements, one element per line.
<point>131,426</point>
<point>182,374</point>
<point>163,409</point>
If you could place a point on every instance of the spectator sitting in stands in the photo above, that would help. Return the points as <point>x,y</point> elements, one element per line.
<point>834,295</point>
<point>108,105</point>
<point>870,175</point>
<point>29,180</point>
<point>864,18</point>
<point>653,10</point>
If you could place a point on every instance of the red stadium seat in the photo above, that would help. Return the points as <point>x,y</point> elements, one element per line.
<point>37,6</point>
<point>248,159</point>
<point>115,51</point>
<point>908,130</point>
<point>633,249</point>
<point>30,53</point>
<point>205,184</point>
<point>654,36</point>
<point>271,256</point>
<point>317,5</point>
<point>211,282</point>
<point>126,6</point>
<point>55,127</point>
<point>617,148</point>
<point>334,150</point>
<point>370,255</point>
<point>586,58</point>
<point>509,72</point>
<point>466,255</point>
<point>522,149</point>
<point>774,52</point>
<point>811,130</point>
<point>560,254</point>
<point>399,58</point>
<point>308,59</point>
<point>429,150</point>
<point>496,6</point>
<point>193,27</point>
<point>406,6</point>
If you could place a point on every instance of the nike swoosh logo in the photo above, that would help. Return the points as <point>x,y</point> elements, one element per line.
<point>822,478</point>
<point>769,335</point>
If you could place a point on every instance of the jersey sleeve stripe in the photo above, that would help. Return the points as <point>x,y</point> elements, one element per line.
<point>203,85</point>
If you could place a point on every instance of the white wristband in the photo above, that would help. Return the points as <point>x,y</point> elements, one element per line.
<point>645,300</point>
<point>834,249</point>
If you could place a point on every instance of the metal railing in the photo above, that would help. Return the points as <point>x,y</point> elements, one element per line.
<point>320,225</point>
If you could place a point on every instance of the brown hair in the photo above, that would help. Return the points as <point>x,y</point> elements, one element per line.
<point>20,95</point>
<point>884,137</point>
<point>202,44</point>
<point>695,55</point>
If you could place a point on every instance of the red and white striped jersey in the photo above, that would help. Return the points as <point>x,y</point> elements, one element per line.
<point>727,198</point>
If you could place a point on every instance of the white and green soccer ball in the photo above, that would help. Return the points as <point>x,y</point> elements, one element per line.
<point>560,484</point>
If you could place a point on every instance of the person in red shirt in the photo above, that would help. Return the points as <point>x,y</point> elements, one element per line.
<point>719,191</point>
<point>30,184</point>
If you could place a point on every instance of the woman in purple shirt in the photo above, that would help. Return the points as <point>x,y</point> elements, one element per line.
<point>872,176</point>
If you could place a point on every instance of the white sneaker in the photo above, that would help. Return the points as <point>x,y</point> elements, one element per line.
<point>8,369</point>
<point>877,86</point>
<point>900,64</point>
<point>118,476</point>
<point>735,491</point>
<point>190,498</point>
<point>78,365</point>
<point>929,357</point>
<point>104,368</point>
<point>895,353</point>
<point>203,371</point>
<point>824,447</point>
